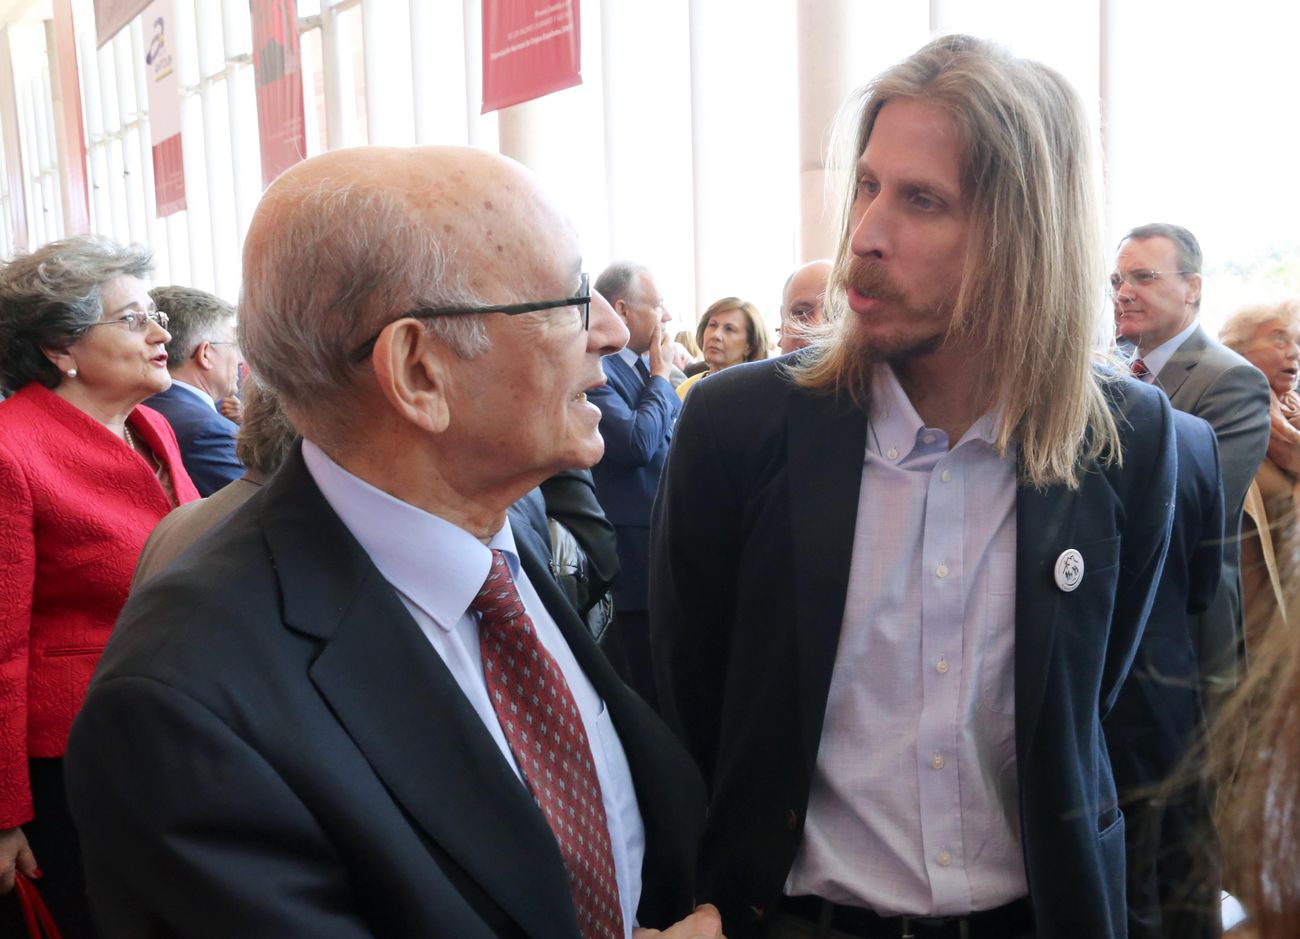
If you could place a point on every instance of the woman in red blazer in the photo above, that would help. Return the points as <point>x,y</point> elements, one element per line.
<point>85,475</point>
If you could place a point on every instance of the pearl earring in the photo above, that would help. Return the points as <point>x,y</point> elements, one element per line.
<point>72,373</point>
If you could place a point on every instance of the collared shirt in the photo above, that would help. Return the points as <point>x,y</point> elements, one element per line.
<point>437,569</point>
<point>631,358</point>
<point>196,391</point>
<point>913,807</point>
<point>1159,357</point>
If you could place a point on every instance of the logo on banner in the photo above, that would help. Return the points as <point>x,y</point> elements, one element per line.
<point>159,59</point>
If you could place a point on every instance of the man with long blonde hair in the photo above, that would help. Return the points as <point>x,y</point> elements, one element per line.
<point>899,581</point>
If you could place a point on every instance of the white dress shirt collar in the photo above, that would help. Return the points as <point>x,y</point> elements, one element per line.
<point>1159,357</point>
<point>196,391</point>
<point>400,539</point>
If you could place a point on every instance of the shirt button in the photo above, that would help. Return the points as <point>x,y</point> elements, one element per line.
<point>928,438</point>
<point>937,761</point>
<point>892,453</point>
<point>946,476</point>
<point>944,858</point>
<point>941,666</point>
<point>941,570</point>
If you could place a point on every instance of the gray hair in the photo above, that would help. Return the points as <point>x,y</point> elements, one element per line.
<point>193,316</point>
<point>50,297</point>
<point>1239,329</point>
<point>347,259</point>
<point>616,281</point>
<point>265,434</point>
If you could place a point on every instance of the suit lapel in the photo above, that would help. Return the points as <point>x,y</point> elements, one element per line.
<point>625,381</point>
<point>1045,521</point>
<point>826,447</point>
<point>403,709</point>
<point>1181,363</point>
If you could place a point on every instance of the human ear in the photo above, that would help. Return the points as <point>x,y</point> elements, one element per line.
<point>411,370</point>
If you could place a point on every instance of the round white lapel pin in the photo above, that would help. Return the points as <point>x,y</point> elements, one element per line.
<point>1069,569</point>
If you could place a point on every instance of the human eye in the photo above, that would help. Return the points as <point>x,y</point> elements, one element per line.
<point>922,200</point>
<point>134,321</point>
<point>1143,277</point>
<point>867,185</point>
<point>801,312</point>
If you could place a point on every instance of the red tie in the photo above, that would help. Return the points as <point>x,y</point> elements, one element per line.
<point>1139,369</point>
<point>541,722</point>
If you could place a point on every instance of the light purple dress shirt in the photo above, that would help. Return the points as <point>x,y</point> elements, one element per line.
<point>913,806</point>
<point>437,569</point>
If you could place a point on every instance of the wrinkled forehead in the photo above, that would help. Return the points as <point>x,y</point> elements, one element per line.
<point>1157,253</point>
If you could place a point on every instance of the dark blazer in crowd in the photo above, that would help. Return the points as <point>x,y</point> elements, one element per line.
<point>206,437</point>
<point>326,775</point>
<point>76,505</point>
<point>1206,378</point>
<point>753,540</point>
<point>1171,857</point>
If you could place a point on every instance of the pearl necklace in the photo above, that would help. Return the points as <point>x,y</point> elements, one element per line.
<point>126,433</point>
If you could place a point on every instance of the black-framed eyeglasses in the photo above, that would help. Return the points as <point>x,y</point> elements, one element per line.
<point>136,321</point>
<point>583,300</point>
<point>1139,278</point>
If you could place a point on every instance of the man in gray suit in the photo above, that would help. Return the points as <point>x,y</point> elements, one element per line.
<point>1157,291</point>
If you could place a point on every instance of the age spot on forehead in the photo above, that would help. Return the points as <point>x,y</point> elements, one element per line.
<point>487,204</point>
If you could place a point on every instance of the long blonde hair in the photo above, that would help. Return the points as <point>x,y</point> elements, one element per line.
<point>1031,290</point>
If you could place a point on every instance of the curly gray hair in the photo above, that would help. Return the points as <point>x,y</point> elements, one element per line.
<point>50,297</point>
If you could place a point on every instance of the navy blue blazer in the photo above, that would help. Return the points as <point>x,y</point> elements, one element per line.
<point>636,420</point>
<point>753,538</point>
<point>1159,715</point>
<point>207,438</point>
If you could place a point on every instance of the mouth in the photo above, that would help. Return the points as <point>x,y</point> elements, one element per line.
<point>861,303</point>
<point>160,359</point>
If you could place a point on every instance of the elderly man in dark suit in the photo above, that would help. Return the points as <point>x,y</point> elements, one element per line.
<point>361,707</point>
<point>1156,286</point>
<point>904,574</point>
<point>638,408</point>
<point>204,361</point>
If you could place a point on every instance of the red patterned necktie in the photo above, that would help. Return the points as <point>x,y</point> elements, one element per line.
<point>541,722</point>
<point>1139,369</point>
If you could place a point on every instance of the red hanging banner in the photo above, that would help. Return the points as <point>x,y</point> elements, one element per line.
<point>530,48</point>
<point>68,123</point>
<point>277,76</point>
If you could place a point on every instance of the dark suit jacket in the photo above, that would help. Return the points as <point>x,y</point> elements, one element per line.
<point>271,748</point>
<point>1158,715</point>
<point>1208,379</point>
<point>636,421</point>
<point>207,438</point>
<point>753,541</point>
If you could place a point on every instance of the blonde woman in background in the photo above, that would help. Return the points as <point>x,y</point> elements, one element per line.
<point>1268,335</point>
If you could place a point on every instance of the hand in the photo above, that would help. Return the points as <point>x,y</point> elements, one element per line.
<point>661,364</point>
<point>15,853</point>
<point>704,923</point>
<point>232,409</point>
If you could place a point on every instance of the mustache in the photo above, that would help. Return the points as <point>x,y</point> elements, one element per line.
<point>868,279</point>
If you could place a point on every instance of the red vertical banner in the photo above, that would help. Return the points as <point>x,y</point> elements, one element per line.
<point>13,150</point>
<point>164,108</point>
<point>69,126</point>
<point>277,71</point>
<point>530,48</point>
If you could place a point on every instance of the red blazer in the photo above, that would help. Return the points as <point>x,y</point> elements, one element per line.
<point>76,506</point>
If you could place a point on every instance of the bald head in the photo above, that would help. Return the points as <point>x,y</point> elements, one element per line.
<point>346,242</point>
<point>801,304</point>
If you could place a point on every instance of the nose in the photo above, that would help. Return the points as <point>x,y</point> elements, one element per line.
<point>665,316</point>
<point>867,229</point>
<point>1293,350</point>
<point>606,331</point>
<point>1124,292</point>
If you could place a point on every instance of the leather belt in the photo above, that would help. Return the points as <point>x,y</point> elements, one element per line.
<point>1014,919</point>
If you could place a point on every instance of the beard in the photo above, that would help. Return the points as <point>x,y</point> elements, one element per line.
<point>919,329</point>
